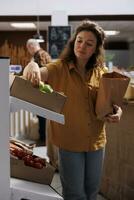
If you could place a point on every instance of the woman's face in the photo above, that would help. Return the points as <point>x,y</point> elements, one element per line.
<point>85,45</point>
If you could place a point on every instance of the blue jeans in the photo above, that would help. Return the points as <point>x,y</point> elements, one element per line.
<point>80,174</point>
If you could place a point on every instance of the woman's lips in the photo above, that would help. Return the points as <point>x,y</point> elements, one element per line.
<point>81,52</point>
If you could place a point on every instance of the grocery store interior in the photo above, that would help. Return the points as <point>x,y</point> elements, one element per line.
<point>39,19</point>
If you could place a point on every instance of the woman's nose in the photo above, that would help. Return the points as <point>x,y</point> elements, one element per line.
<point>82,45</point>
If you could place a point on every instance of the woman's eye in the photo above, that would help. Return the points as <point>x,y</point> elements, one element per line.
<point>89,44</point>
<point>79,41</point>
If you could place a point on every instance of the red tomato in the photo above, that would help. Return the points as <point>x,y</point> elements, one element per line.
<point>40,160</point>
<point>14,151</point>
<point>31,163</point>
<point>20,153</point>
<point>27,158</point>
<point>38,165</point>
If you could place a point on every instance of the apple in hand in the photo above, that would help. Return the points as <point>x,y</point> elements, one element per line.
<point>48,88</point>
<point>41,85</point>
<point>45,87</point>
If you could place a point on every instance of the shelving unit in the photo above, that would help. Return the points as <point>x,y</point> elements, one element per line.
<point>25,189</point>
<point>18,104</point>
<point>15,189</point>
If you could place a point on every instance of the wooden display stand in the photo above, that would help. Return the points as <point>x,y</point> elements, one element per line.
<point>18,189</point>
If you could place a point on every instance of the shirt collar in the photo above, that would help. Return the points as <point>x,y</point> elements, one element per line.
<point>71,66</point>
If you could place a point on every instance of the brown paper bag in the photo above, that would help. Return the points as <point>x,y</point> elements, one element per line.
<point>111,91</point>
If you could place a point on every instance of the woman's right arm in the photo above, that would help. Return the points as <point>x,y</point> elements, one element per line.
<point>35,74</point>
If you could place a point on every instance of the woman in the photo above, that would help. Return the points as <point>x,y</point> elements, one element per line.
<point>82,139</point>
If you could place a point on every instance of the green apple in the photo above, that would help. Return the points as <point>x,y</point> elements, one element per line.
<point>41,86</point>
<point>46,88</point>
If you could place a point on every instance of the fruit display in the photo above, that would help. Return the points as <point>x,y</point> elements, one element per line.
<point>34,161</point>
<point>21,151</point>
<point>46,88</point>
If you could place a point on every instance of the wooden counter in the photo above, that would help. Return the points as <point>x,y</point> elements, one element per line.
<point>118,176</point>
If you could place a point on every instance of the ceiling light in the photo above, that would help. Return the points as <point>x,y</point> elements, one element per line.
<point>112,33</point>
<point>22,25</point>
<point>37,36</point>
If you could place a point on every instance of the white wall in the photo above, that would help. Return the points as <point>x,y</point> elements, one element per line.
<point>72,7</point>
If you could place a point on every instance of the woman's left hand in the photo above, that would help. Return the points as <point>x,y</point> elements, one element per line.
<point>114,118</point>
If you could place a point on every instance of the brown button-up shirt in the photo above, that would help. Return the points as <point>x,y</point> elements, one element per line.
<point>82,130</point>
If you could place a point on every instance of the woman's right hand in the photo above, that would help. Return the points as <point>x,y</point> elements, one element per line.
<point>32,72</point>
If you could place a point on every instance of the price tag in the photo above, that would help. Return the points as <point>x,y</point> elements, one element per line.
<point>15,68</point>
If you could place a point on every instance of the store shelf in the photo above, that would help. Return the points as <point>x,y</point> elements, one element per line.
<point>18,189</point>
<point>21,189</point>
<point>18,104</point>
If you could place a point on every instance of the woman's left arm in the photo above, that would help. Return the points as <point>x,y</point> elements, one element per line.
<point>114,118</point>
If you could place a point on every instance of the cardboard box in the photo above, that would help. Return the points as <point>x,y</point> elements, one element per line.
<point>24,90</point>
<point>21,171</point>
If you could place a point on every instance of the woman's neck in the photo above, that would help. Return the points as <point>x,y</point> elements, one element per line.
<point>80,65</point>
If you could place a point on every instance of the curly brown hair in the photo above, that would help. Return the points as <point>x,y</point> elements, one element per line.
<point>97,59</point>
